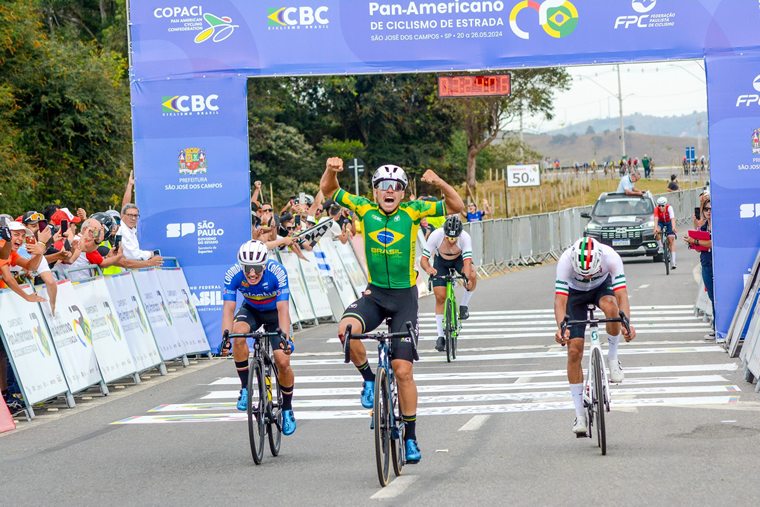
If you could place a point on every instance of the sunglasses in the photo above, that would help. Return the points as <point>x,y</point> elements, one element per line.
<point>384,185</point>
<point>708,208</point>
<point>266,210</point>
<point>132,215</point>
<point>257,268</point>
<point>291,227</point>
<point>35,217</point>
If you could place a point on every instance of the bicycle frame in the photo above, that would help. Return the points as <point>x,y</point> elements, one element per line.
<point>455,325</point>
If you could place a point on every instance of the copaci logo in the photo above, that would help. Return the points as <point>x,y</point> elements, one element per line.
<point>558,18</point>
<point>750,99</point>
<point>186,105</point>
<point>293,17</point>
<point>220,28</point>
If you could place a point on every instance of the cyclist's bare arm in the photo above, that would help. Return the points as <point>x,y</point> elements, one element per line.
<point>625,306</point>
<point>328,184</point>
<point>228,313</point>
<point>560,311</point>
<point>426,267</point>
<point>454,203</point>
<point>283,317</point>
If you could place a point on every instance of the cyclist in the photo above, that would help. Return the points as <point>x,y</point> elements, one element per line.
<point>389,227</point>
<point>263,283</point>
<point>452,248</point>
<point>589,272</point>
<point>665,221</point>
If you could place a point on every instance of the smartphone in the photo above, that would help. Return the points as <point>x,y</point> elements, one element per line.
<point>64,226</point>
<point>298,220</point>
<point>156,252</point>
<point>696,212</point>
<point>116,241</point>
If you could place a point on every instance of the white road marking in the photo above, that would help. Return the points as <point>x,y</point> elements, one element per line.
<point>475,423</point>
<point>643,286</point>
<point>395,488</point>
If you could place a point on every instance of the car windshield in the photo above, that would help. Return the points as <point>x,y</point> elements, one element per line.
<point>619,206</point>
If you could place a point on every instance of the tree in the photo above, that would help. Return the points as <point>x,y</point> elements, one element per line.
<point>482,118</point>
<point>590,130</point>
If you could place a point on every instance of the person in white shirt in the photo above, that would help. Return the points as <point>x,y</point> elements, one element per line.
<point>626,185</point>
<point>452,248</point>
<point>130,245</point>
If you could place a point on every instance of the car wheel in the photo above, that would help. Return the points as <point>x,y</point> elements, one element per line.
<point>657,258</point>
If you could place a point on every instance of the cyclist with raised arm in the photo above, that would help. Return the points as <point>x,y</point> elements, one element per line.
<point>452,248</point>
<point>589,272</point>
<point>665,223</point>
<point>389,228</point>
<point>263,282</point>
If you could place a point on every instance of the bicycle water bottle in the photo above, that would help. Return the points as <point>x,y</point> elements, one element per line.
<point>268,380</point>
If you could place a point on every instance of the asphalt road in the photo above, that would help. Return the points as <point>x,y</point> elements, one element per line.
<point>494,426</point>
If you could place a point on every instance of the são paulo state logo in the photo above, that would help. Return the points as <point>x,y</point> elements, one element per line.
<point>558,18</point>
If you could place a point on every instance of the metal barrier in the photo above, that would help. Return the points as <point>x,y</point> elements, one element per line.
<point>499,244</point>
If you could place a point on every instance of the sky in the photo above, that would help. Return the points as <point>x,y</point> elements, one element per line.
<point>659,89</point>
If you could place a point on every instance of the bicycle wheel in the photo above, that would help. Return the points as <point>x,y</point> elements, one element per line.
<point>397,434</point>
<point>381,415</point>
<point>666,256</point>
<point>256,410</point>
<point>598,401</point>
<point>274,412</point>
<point>448,328</point>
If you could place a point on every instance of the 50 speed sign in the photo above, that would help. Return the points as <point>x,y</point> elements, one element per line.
<point>525,175</point>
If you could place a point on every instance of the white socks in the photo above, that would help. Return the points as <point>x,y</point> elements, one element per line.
<point>612,352</point>
<point>576,391</point>
<point>466,298</point>
<point>673,258</point>
<point>439,324</point>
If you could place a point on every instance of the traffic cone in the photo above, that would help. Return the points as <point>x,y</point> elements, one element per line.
<point>6,421</point>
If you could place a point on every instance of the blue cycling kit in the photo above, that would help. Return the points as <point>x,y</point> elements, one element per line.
<point>263,296</point>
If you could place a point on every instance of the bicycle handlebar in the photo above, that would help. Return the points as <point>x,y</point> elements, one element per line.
<point>380,336</point>
<point>256,335</point>
<point>623,319</point>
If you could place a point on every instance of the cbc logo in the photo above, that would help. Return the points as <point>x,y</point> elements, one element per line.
<point>179,230</point>
<point>198,104</point>
<point>298,16</point>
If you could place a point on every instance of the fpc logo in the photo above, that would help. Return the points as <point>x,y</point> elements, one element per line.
<point>643,18</point>
<point>643,6</point>
<point>294,18</point>
<point>750,99</point>
<point>179,230</point>
<point>558,18</point>
<point>190,105</point>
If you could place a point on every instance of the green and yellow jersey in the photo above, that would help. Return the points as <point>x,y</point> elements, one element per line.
<point>390,240</point>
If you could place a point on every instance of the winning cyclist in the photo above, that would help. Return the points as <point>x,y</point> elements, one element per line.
<point>665,222</point>
<point>264,285</point>
<point>389,227</point>
<point>452,248</point>
<point>589,273</point>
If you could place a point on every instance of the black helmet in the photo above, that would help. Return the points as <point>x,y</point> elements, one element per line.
<point>452,227</point>
<point>108,224</point>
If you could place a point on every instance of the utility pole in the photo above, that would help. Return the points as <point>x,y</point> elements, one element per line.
<point>521,151</point>
<point>620,104</point>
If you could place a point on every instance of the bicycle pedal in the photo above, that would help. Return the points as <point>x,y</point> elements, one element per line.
<point>580,435</point>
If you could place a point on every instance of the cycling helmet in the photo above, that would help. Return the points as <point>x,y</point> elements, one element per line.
<point>304,199</point>
<point>252,253</point>
<point>115,215</point>
<point>662,201</point>
<point>108,223</point>
<point>389,172</point>
<point>586,256</point>
<point>452,227</point>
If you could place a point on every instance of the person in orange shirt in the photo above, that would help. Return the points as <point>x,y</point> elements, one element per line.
<point>18,235</point>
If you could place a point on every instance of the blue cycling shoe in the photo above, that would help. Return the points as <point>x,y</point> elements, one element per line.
<point>413,454</point>
<point>242,404</point>
<point>288,422</point>
<point>368,394</point>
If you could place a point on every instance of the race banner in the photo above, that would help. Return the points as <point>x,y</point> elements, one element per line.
<point>133,321</point>
<point>71,328</point>
<point>315,285</point>
<point>351,265</point>
<point>183,311</point>
<point>337,272</point>
<point>155,302</point>
<point>108,337</point>
<point>30,348</point>
<point>298,291</point>
<point>733,99</point>
<point>189,37</point>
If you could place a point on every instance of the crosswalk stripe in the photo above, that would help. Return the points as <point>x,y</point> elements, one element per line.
<point>478,316</point>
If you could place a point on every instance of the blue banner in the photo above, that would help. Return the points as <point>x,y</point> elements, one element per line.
<point>192,177</point>
<point>733,98</point>
<point>188,37</point>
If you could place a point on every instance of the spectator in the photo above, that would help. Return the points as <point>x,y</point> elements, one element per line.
<point>626,185</point>
<point>130,245</point>
<point>700,220</point>
<point>705,258</point>
<point>426,228</point>
<point>647,163</point>
<point>110,229</point>
<point>27,247</point>
<point>91,235</point>
<point>476,215</point>
<point>673,185</point>
<point>338,229</point>
<point>18,237</point>
<point>286,235</point>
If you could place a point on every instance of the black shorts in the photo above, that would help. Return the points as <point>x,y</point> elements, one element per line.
<point>378,304</point>
<point>442,266</point>
<point>577,305</point>
<point>255,319</point>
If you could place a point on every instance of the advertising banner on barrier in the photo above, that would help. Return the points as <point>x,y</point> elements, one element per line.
<point>154,302</point>
<point>297,288</point>
<point>351,265</point>
<point>30,348</point>
<point>183,310</point>
<point>71,328</point>
<point>108,339</point>
<point>192,179</point>
<point>364,36</point>
<point>733,93</point>
<point>315,285</point>
<point>337,272</point>
<point>133,321</point>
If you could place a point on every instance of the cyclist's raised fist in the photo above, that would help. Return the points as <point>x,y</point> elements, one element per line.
<point>430,177</point>
<point>335,164</point>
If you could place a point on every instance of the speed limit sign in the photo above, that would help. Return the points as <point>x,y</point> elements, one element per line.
<point>524,175</point>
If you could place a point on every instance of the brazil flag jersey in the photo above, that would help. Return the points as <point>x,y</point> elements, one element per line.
<point>390,240</point>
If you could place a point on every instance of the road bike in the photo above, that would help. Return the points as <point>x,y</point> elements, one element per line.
<point>264,406</point>
<point>387,422</point>
<point>596,388</point>
<point>451,323</point>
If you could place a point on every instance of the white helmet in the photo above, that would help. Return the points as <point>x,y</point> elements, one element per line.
<point>662,201</point>
<point>252,253</point>
<point>586,256</point>
<point>389,172</point>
